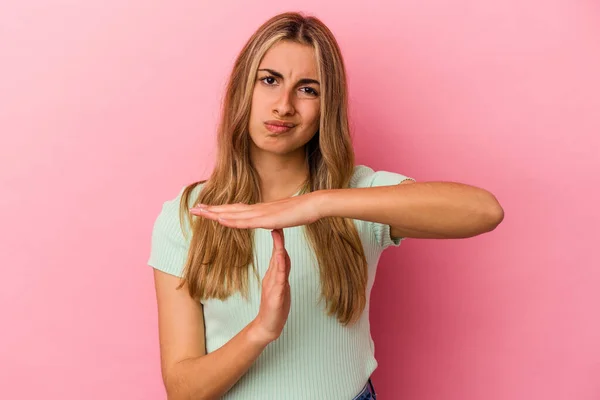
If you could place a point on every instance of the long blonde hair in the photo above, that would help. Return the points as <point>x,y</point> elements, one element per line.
<point>219,257</point>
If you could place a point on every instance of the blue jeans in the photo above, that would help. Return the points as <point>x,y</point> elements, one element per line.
<point>368,392</point>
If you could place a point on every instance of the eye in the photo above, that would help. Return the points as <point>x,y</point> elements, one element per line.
<point>268,80</point>
<point>310,91</point>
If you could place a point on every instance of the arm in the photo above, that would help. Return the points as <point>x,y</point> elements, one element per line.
<point>187,371</point>
<point>437,210</point>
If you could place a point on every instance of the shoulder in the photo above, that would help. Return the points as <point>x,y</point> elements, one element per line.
<point>365,176</point>
<point>171,234</point>
<point>168,223</point>
<point>192,191</point>
<point>171,206</point>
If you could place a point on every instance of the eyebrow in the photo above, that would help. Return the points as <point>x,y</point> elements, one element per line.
<point>303,81</point>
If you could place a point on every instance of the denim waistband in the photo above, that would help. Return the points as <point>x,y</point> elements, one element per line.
<point>368,392</point>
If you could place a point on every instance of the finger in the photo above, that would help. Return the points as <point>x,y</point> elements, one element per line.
<point>279,255</point>
<point>273,259</point>
<point>282,275</point>
<point>227,207</point>
<point>278,240</point>
<point>227,214</point>
<point>286,258</point>
<point>269,278</point>
<point>288,265</point>
<point>251,223</point>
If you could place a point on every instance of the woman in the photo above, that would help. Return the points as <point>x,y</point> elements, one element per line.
<point>297,327</point>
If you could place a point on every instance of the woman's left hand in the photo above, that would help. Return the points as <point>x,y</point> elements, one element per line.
<point>294,211</point>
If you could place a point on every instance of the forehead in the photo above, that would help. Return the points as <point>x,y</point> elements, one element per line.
<point>291,59</point>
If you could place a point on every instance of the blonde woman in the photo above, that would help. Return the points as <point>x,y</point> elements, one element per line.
<point>263,271</point>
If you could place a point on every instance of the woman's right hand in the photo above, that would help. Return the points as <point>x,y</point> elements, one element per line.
<point>275,298</point>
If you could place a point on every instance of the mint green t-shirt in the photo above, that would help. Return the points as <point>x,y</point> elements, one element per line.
<point>315,356</point>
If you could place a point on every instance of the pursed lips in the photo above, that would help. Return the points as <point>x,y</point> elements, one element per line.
<point>280,123</point>
<point>277,126</point>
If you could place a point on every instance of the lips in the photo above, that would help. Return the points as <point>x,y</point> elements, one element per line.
<point>279,123</point>
<point>277,126</point>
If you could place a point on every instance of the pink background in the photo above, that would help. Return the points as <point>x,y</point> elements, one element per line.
<point>107,108</point>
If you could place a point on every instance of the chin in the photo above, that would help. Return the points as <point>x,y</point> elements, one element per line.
<point>275,148</point>
<point>279,150</point>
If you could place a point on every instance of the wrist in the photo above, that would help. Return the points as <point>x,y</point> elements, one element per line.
<point>323,203</point>
<point>257,335</point>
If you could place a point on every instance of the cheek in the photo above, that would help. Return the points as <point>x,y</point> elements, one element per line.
<point>313,114</point>
<point>258,101</point>
<point>263,96</point>
<point>253,103</point>
<point>317,113</point>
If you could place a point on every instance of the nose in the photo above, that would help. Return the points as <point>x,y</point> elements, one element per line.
<point>284,104</point>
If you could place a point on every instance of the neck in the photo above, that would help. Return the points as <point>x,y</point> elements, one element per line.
<point>281,176</point>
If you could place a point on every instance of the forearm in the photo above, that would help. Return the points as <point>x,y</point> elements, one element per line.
<point>446,209</point>
<point>212,375</point>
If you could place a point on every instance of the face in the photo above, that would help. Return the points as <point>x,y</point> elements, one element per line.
<point>286,92</point>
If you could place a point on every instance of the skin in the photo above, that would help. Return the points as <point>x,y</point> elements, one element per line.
<point>279,158</point>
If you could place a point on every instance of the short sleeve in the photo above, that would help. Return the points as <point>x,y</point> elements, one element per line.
<point>169,247</point>
<point>366,177</point>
